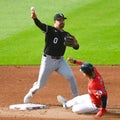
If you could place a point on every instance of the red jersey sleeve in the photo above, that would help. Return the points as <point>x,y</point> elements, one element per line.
<point>79,62</point>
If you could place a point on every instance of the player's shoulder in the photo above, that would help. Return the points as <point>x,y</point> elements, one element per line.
<point>67,33</point>
<point>51,29</point>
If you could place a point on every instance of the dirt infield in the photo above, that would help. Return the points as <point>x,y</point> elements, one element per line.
<point>15,81</point>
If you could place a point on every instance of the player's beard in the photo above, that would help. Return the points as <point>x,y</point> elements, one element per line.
<point>62,25</point>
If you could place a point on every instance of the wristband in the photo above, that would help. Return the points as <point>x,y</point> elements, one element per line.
<point>74,61</point>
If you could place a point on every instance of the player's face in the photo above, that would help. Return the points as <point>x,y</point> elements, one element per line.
<point>60,23</point>
<point>84,74</point>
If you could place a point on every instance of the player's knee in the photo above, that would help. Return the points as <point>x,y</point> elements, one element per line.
<point>75,110</point>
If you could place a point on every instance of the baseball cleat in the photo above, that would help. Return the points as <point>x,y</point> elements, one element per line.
<point>62,100</point>
<point>27,97</point>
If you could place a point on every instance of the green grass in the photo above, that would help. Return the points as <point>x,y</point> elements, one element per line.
<point>95,23</point>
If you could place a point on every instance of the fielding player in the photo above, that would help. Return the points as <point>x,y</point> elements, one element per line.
<point>52,58</point>
<point>96,99</point>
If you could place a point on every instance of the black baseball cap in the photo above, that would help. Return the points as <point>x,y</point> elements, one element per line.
<point>59,16</point>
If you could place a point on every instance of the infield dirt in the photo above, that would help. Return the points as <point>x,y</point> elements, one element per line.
<point>15,81</point>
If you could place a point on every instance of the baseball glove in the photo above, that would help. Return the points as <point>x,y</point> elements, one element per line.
<point>71,42</point>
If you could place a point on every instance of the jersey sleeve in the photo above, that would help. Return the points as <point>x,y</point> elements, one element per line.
<point>77,62</point>
<point>41,25</point>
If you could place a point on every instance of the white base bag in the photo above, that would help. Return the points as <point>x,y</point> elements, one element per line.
<point>28,106</point>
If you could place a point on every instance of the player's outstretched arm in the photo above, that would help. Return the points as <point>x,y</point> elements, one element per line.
<point>71,60</point>
<point>38,23</point>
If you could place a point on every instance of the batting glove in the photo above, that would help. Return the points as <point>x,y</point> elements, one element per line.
<point>100,113</point>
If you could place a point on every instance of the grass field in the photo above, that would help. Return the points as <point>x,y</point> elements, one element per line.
<point>95,23</point>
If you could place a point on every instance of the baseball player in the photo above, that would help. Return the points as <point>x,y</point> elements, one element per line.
<point>52,58</point>
<point>96,99</point>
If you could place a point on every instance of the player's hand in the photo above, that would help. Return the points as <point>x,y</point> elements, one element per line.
<point>76,45</point>
<point>71,42</point>
<point>33,14</point>
<point>100,113</point>
<point>70,60</point>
